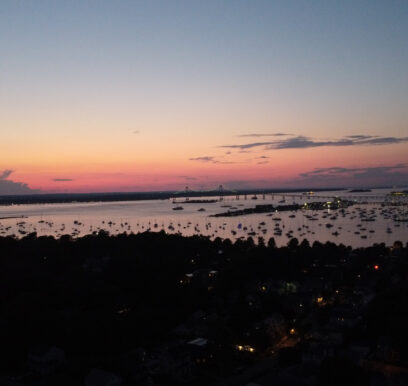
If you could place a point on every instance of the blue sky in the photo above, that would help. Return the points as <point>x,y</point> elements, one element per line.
<point>196,74</point>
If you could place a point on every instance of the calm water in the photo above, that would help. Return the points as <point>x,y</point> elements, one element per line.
<point>349,227</point>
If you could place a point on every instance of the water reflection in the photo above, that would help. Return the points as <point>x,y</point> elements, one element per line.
<point>359,225</point>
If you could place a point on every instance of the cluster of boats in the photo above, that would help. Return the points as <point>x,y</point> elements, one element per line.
<point>344,224</point>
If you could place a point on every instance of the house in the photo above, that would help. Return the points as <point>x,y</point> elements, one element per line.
<point>45,360</point>
<point>98,377</point>
<point>275,327</point>
<point>96,265</point>
<point>385,350</point>
<point>174,362</point>
<point>316,352</point>
<point>358,353</point>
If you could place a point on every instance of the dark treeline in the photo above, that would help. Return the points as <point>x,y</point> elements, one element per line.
<point>100,297</point>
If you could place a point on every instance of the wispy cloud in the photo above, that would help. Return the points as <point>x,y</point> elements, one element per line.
<point>210,159</point>
<point>223,162</point>
<point>5,173</point>
<point>202,159</point>
<point>8,187</point>
<point>62,179</point>
<point>360,136</point>
<point>301,142</point>
<point>188,178</point>
<point>372,171</point>
<point>256,135</point>
<point>246,145</point>
<point>387,175</point>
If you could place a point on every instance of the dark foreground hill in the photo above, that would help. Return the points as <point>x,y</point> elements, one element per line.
<point>158,309</point>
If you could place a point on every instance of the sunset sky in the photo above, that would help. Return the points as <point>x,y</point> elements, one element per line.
<point>157,95</point>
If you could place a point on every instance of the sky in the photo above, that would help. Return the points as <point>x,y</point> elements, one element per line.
<point>158,95</point>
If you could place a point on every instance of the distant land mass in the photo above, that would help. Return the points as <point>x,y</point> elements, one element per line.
<point>56,198</point>
<point>360,190</point>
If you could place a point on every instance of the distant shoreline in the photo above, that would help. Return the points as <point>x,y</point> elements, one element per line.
<point>11,217</point>
<point>61,198</point>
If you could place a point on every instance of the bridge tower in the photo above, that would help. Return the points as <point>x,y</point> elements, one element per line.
<point>221,190</point>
